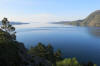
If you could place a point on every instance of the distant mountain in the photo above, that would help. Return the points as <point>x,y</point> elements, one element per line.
<point>62,22</point>
<point>16,23</point>
<point>92,20</point>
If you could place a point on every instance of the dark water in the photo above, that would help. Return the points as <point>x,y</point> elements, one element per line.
<point>80,42</point>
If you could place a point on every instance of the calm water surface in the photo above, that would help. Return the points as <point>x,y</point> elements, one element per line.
<point>80,42</point>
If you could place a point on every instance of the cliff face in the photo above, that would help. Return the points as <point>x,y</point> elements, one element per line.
<point>93,19</point>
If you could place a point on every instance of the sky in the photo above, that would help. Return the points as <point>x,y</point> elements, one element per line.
<point>47,10</point>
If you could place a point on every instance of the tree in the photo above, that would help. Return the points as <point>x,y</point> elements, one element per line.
<point>90,64</point>
<point>39,50</point>
<point>58,55</point>
<point>68,62</point>
<point>50,54</point>
<point>7,27</point>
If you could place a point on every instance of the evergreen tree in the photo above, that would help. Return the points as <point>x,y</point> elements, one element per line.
<point>7,27</point>
<point>50,55</point>
<point>40,50</point>
<point>58,55</point>
<point>90,64</point>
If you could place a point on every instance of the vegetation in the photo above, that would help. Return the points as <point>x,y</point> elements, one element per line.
<point>68,62</point>
<point>7,27</point>
<point>13,53</point>
<point>55,58</point>
<point>46,52</point>
<point>73,62</point>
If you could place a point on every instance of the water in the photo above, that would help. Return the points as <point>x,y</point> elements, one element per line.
<point>80,42</point>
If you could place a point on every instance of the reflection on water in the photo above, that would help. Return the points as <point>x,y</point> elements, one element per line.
<point>80,42</point>
<point>94,31</point>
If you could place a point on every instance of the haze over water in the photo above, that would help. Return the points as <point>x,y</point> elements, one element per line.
<point>73,41</point>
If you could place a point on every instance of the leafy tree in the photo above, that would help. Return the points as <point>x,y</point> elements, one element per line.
<point>95,65</point>
<point>39,50</point>
<point>90,64</point>
<point>75,62</point>
<point>58,55</point>
<point>55,58</point>
<point>50,54</point>
<point>68,62</point>
<point>7,27</point>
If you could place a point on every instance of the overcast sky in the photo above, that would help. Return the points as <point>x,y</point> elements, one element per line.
<point>47,10</point>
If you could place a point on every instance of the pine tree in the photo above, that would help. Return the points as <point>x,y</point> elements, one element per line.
<point>7,27</point>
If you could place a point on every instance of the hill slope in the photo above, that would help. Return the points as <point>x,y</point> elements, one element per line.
<point>93,19</point>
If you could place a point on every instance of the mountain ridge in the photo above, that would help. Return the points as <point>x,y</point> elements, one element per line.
<point>92,20</point>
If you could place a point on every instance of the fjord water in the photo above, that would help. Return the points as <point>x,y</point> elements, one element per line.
<point>74,41</point>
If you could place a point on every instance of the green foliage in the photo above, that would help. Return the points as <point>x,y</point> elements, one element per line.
<point>58,55</point>
<point>39,50</point>
<point>68,62</point>
<point>95,65</point>
<point>13,53</point>
<point>7,27</point>
<point>4,35</point>
<point>9,53</point>
<point>55,58</point>
<point>50,53</point>
<point>73,62</point>
<point>46,52</point>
